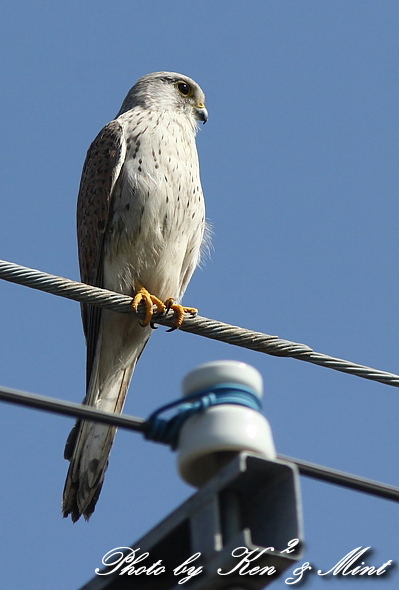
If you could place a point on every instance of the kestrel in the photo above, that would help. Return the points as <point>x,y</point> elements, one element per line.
<point>140,225</point>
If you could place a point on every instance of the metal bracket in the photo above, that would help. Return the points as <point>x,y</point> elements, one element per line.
<point>246,514</point>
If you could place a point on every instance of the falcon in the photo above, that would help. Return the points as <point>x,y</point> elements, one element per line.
<point>140,226</point>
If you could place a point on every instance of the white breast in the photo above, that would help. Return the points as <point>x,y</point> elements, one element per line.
<point>158,210</point>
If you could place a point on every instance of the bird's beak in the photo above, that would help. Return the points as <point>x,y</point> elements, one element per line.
<point>200,112</point>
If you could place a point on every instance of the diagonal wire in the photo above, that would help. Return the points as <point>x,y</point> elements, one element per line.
<point>201,326</point>
<point>341,478</point>
<point>65,408</point>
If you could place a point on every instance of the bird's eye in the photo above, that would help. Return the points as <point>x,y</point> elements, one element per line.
<point>184,89</point>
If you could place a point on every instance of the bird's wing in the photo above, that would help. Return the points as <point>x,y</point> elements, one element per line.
<point>101,169</point>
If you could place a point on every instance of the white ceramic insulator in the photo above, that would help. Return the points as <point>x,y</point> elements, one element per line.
<point>211,438</point>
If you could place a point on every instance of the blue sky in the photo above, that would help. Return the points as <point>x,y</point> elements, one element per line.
<point>299,170</point>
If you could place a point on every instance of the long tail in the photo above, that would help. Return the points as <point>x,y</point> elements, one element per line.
<point>89,444</point>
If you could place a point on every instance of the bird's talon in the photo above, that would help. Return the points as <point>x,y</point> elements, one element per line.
<point>142,295</point>
<point>179,311</point>
<point>168,304</point>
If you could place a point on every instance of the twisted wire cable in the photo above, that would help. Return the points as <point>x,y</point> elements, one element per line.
<point>199,325</point>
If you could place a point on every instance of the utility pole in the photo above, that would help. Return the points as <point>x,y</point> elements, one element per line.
<point>243,527</point>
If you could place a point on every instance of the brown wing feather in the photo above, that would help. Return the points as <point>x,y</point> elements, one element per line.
<point>102,166</point>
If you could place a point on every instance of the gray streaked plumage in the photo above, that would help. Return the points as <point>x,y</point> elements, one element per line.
<point>140,220</point>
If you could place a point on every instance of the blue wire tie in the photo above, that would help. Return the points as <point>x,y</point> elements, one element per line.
<point>166,430</point>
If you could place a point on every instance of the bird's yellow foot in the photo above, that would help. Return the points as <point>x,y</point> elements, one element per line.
<point>142,295</point>
<point>179,311</point>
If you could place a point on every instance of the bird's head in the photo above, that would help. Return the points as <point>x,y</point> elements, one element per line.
<point>167,91</point>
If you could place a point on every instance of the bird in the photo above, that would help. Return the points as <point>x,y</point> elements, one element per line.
<point>141,229</point>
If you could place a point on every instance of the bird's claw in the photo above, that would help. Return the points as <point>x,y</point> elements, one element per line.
<point>162,308</point>
<point>179,311</point>
<point>142,295</point>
